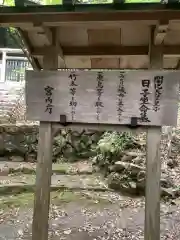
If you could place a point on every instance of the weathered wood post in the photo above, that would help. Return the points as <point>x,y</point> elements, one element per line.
<point>44,160</point>
<point>3,67</point>
<point>153,162</point>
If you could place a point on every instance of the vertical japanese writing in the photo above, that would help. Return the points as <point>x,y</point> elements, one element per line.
<point>72,90</point>
<point>48,100</point>
<point>144,100</point>
<point>158,82</point>
<point>99,91</point>
<point>120,94</point>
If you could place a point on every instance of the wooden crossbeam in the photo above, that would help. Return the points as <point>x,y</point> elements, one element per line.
<point>173,50</point>
<point>96,16</point>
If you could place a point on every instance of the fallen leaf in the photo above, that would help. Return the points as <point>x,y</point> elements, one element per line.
<point>67,232</point>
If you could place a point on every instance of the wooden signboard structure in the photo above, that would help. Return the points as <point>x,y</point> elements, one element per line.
<point>107,99</point>
<point>116,36</point>
<point>149,98</point>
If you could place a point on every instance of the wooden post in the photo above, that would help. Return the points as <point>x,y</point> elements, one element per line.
<point>44,165</point>
<point>3,67</point>
<point>153,162</point>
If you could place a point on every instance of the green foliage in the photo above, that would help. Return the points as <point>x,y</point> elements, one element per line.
<point>56,2</point>
<point>142,1</point>
<point>8,2</point>
<point>110,147</point>
<point>51,2</point>
<point>114,143</point>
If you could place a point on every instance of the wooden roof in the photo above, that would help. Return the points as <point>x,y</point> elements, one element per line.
<point>99,36</point>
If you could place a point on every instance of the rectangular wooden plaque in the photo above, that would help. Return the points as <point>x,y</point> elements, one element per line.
<point>103,97</point>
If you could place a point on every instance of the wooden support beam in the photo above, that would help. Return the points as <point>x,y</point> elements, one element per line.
<point>48,34</point>
<point>155,53</point>
<point>178,64</point>
<point>153,162</point>
<point>34,62</point>
<point>153,172</point>
<point>113,51</point>
<point>160,33</point>
<point>44,164</point>
<point>57,45</point>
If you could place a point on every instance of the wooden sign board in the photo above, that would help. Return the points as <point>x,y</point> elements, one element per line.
<point>103,97</point>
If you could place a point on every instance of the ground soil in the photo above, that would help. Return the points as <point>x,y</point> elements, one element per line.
<point>82,215</point>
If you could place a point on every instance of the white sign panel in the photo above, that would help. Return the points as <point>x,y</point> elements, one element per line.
<point>103,97</point>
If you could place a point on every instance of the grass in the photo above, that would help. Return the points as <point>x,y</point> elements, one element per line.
<point>19,200</point>
<point>57,198</point>
<point>62,168</point>
<point>24,170</point>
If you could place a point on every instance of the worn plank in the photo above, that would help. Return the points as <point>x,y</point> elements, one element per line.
<point>153,163</point>
<point>44,167</point>
<point>79,100</point>
<point>107,51</point>
<point>43,182</point>
<point>153,172</point>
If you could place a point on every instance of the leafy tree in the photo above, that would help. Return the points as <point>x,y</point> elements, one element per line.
<point>44,2</point>
<point>56,2</point>
<point>51,2</point>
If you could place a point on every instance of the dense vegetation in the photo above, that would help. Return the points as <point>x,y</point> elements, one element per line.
<point>55,2</point>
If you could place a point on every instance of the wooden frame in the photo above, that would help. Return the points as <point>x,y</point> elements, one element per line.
<point>44,167</point>
<point>158,16</point>
<point>164,17</point>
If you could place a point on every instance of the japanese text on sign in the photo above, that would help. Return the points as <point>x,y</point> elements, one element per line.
<point>144,101</point>
<point>120,94</point>
<point>72,91</point>
<point>158,86</point>
<point>103,97</point>
<point>99,91</point>
<point>49,102</point>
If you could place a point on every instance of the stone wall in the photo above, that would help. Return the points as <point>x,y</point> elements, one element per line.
<point>19,143</point>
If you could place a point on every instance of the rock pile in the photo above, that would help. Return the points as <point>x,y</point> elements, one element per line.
<point>129,173</point>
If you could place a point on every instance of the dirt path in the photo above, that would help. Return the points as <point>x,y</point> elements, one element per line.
<point>80,215</point>
<point>104,216</point>
<point>68,181</point>
<point>84,167</point>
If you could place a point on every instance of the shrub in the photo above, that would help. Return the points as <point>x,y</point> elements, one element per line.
<point>110,148</point>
